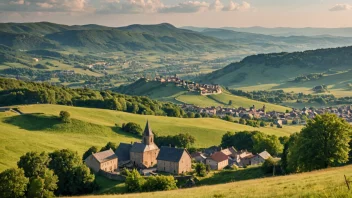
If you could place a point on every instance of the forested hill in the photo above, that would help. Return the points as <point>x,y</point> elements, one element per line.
<point>15,92</point>
<point>281,67</point>
<point>161,37</point>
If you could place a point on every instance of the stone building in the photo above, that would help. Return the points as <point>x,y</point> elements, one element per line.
<point>105,161</point>
<point>144,154</point>
<point>174,160</point>
<point>217,161</point>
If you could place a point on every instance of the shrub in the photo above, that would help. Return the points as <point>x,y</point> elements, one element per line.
<point>132,128</point>
<point>201,169</point>
<point>65,116</point>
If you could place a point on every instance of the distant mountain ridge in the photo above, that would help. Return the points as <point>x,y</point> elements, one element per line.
<point>285,31</point>
<point>160,37</point>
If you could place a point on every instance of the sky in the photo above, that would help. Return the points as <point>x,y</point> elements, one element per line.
<point>200,13</point>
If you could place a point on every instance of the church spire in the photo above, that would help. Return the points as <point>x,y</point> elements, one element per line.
<point>148,131</point>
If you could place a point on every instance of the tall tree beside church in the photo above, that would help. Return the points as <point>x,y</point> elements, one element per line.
<point>323,143</point>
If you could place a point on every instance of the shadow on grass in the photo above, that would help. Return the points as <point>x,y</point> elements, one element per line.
<point>33,122</point>
<point>109,186</point>
<point>226,176</point>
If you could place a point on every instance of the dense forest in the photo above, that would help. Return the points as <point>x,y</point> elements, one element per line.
<point>15,92</point>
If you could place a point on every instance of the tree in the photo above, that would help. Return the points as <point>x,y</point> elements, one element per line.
<point>13,183</point>
<point>159,183</point>
<point>191,115</point>
<point>184,140</point>
<point>240,140</point>
<point>269,143</point>
<point>269,165</point>
<point>198,115</point>
<point>262,124</point>
<point>65,116</point>
<point>33,164</point>
<point>134,181</point>
<point>44,186</point>
<point>242,121</point>
<point>91,150</point>
<point>324,142</point>
<point>201,169</point>
<point>109,146</point>
<point>74,177</point>
<point>132,128</point>
<point>230,102</point>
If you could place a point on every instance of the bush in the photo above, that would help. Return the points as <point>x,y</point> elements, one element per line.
<point>13,183</point>
<point>201,169</point>
<point>159,183</point>
<point>65,116</point>
<point>132,128</point>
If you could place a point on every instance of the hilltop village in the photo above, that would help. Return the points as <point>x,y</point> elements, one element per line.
<point>149,159</point>
<point>203,89</point>
<point>293,116</point>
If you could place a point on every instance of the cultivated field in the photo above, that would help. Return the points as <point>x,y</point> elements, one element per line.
<point>95,127</point>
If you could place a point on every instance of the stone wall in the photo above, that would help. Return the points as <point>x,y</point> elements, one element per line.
<point>113,176</point>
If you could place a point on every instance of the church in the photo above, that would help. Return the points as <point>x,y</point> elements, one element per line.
<point>141,154</point>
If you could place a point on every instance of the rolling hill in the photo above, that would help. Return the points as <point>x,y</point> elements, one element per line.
<point>161,37</point>
<point>279,70</point>
<point>39,130</point>
<point>322,183</point>
<point>277,43</point>
<point>171,92</point>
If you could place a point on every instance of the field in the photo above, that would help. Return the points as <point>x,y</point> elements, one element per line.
<point>95,127</point>
<point>324,183</point>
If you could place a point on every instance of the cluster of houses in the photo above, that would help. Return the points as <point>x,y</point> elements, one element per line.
<point>149,158</point>
<point>218,158</point>
<point>203,89</point>
<point>296,116</point>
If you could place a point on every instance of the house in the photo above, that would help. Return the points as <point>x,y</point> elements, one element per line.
<point>260,158</point>
<point>198,157</point>
<point>144,154</point>
<point>174,160</point>
<point>230,152</point>
<point>217,161</point>
<point>105,161</point>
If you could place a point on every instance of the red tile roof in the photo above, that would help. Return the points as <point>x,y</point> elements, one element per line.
<point>219,157</point>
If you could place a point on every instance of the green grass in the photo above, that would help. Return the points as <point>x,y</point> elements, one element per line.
<point>324,183</point>
<point>96,127</point>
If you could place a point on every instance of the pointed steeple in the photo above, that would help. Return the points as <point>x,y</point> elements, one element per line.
<point>148,136</point>
<point>148,131</point>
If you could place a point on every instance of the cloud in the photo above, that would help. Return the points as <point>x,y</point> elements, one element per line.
<point>118,6</point>
<point>341,7</point>
<point>186,7</point>
<point>43,5</point>
<point>237,7</point>
<point>129,6</point>
<point>217,5</point>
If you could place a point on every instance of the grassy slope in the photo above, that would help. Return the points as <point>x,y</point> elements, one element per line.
<point>170,92</point>
<point>324,183</point>
<point>223,100</point>
<point>96,127</point>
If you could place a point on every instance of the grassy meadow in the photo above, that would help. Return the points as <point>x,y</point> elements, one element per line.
<point>327,183</point>
<point>40,130</point>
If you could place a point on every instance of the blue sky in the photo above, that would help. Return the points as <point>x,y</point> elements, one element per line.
<point>205,13</point>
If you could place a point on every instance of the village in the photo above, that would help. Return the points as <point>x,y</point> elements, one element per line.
<point>203,89</point>
<point>149,159</point>
<point>295,116</point>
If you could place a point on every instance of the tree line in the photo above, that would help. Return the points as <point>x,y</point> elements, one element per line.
<point>15,92</point>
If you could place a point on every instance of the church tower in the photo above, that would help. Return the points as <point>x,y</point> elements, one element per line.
<point>148,136</point>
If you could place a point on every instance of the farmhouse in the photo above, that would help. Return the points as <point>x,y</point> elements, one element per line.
<point>217,161</point>
<point>174,160</point>
<point>105,161</point>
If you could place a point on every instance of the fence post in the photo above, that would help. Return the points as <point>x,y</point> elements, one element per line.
<point>347,182</point>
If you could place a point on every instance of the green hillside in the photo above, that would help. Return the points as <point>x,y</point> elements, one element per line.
<point>268,43</point>
<point>38,130</point>
<point>323,183</point>
<point>279,70</point>
<point>173,93</point>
